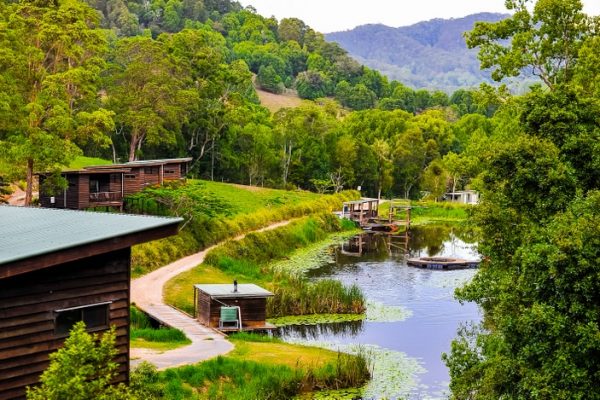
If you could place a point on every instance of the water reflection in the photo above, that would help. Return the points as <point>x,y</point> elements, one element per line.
<point>376,262</point>
<point>314,332</point>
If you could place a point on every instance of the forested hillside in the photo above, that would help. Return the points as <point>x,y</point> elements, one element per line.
<point>431,54</point>
<point>146,80</point>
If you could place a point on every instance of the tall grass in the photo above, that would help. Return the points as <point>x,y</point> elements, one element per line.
<point>234,379</point>
<point>208,226</point>
<point>300,297</point>
<point>142,328</point>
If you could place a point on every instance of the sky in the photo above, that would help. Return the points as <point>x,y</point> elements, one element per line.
<point>334,15</point>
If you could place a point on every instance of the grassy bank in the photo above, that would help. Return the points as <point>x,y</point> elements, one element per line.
<point>426,212</point>
<point>251,260</point>
<point>144,335</point>
<point>217,211</point>
<point>258,368</point>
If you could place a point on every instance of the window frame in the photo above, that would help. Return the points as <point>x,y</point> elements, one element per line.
<point>59,331</point>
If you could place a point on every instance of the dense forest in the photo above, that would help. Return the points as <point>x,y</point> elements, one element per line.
<point>146,80</point>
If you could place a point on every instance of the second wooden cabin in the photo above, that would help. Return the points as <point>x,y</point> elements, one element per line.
<point>107,185</point>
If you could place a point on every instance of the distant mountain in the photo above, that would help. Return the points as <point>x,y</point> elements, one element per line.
<point>431,54</point>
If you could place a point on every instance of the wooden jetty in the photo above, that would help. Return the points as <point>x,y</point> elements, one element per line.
<point>442,263</point>
<point>365,212</point>
<point>232,308</point>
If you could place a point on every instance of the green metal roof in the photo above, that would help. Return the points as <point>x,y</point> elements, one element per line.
<point>27,232</point>
<point>226,290</point>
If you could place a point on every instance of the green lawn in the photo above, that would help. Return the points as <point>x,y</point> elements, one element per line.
<point>248,199</point>
<point>82,162</point>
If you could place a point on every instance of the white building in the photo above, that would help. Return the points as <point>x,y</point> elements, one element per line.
<point>463,196</point>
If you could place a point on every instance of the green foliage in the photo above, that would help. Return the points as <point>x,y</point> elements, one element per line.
<point>82,369</point>
<point>232,378</point>
<point>268,80</point>
<point>161,335</point>
<point>545,40</point>
<point>538,221</point>
<point>51,59</point>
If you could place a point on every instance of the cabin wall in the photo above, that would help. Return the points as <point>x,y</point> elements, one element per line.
<point>254,311</point>
<point>203,307</point>
<point>174,171</point>
<point>27,314</point>
<point>132,181</point>
<point>73,196</point>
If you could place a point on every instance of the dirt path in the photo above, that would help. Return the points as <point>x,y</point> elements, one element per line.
<point>147,294</point>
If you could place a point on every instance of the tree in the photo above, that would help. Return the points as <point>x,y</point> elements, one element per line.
<point>83,369</point>
<point>435,178</point>
<point>545,41</point>
<point>381,149</point>
<point>268,80</point>
<point>312,85</point>
<point>150,103</point>
<point>50,65</point>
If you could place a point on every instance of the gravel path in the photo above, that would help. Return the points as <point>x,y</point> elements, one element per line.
<point>147,294</point>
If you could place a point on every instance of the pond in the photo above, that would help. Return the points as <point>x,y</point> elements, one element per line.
<point>412,315</point>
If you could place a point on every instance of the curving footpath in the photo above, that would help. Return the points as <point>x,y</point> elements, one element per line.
<point>147,294</point>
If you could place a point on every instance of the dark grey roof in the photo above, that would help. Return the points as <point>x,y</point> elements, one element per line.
<point>27,232</point>
<point>226,290</point>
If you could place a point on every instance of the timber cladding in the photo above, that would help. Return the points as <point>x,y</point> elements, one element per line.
<point>252,309</point>
<point>31,303</point>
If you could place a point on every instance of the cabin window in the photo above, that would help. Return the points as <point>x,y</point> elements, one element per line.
<point>95,317</point>
<point>151,170</point>
<point>130,176</point>
<point>169,171</point>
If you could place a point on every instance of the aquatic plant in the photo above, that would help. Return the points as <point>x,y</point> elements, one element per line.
<point>379,312</point>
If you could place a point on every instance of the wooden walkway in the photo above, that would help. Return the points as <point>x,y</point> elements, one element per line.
<point>147,294</point>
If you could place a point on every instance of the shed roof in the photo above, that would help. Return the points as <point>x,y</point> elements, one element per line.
<point>226,290</point>
<point>28,232</point>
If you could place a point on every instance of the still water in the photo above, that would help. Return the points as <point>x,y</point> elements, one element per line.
<point>431,317</point>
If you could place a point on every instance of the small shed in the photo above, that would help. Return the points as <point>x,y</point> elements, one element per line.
<point>251,299</point>
<point>58,267</point>
<point>463,197</point>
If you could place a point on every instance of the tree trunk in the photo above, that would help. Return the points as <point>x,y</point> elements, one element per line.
<point>29,188</point>
<point>132,147</point>
<point>212,163</point>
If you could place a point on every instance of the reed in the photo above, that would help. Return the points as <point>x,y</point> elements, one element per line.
<point>234,379</point>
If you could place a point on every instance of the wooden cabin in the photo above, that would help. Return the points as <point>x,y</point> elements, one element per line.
<point>251,300</point>
<point>361,211</point>
<point>107,185</point>
<point>58,267</point>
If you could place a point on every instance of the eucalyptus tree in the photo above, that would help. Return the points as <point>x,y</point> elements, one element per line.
<point>149,92</point>
<point>49,67</point>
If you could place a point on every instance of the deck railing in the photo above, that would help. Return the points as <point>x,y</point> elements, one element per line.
<point>100,197</point>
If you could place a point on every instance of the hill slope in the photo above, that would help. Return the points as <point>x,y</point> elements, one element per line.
<point>430,54</point>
